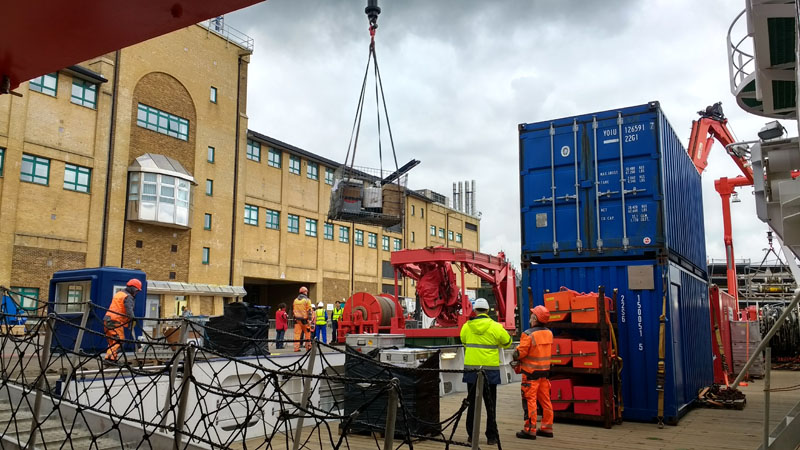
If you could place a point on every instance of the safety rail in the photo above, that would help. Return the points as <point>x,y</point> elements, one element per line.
<point>741,61</point>
<point>217,26</point>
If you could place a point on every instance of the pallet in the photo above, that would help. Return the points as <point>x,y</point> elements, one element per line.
<point>14,330</point>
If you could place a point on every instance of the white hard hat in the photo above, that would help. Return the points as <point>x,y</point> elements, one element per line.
<point>481,303</point>
<point>320,305</point>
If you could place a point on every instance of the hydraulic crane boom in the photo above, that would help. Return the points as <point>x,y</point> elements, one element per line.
<point>712,126</point>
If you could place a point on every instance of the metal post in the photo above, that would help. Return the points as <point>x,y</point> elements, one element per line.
<point>765,340</point>
<point>306,394</point>
<point>768,368</point>
<point>79,338</point>
<point>391,416</point>
<point>184,399</point>
<point>44,359</point>
<point>476,420</point>
<point>173,372</point>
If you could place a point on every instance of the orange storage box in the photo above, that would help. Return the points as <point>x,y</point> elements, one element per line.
<point>588,302</point>
<point>561,347</point>
<point>561,394</point>
<point>559,301</point>
<point>593,406</point>
<point>590,352</point>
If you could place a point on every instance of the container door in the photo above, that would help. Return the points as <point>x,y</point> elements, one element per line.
<point>553,203</point>
<point>677,352</point>
<point>625,200</point>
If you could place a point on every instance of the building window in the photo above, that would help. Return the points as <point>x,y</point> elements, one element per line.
<point>77,178</point>
<point>293,224</point>
<point>372,240</point>
<point>35,169</point>
<point>413,237</point>
<point>251,214</point>
<point>398,244</point>
<point>2,159</point>
<point>328,176</point>
<point>253,151</point>
<point>385,243</point>
<point>470,226</point>
<point>84,93</point>
<point>209,187</point>
<point>344,234</point>
<point>422,213</point>
<point>210,156</point>
<point>213,95</point>
<point>26,297</point>
<point>71,295</point>
<point>273,219</point>
<point>328,231</point>
<point>433,230</point>
<point>412,210</point>
<point>46,84</point>
<point>359,237</point>
<point>450,234</point>
<point>311,227</point>
<point>294,165</point>
<point>162,122</point>
<point>206,255</point>
<point>160,198</point>
<point>174,248</point>
<point>458,237</point>
<point>441,233</point>
<point>207,221</point>
<point>312,170</point>
<point>274,158</point>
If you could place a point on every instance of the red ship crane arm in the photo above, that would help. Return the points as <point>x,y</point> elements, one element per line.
<point>712,126</point>
<point>448,300</point>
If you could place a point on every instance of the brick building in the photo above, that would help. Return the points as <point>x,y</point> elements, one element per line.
<point>142,158</point>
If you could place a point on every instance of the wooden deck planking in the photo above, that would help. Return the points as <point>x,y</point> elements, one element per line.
<point>700,428</point>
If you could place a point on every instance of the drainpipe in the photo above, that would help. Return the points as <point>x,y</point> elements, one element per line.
<point>236,168</point>
<point>110,163</point>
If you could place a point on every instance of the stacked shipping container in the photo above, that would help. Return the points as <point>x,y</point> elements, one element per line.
<point>613,199</point>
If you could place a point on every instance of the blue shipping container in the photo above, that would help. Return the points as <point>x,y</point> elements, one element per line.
<point>70,289</point>
<point>642,286</point>
<point>614,184</point>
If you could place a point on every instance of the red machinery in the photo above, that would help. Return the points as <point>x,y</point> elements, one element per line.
<point>713,125</point>
<point>439,293</point>
<point>724,310</point>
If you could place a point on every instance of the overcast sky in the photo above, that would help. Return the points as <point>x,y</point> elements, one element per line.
<point>459,75</point>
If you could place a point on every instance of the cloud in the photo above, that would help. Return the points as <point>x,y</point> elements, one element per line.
<point>460,75</point>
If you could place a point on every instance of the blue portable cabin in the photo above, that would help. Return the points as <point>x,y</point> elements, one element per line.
<point>616,184</point>
<point>642,286</point>
<point>70,288</point>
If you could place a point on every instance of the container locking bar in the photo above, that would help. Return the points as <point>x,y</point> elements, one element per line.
<point>597,188</point>
<point>625,241</point>
<point>578,241</point>
<point>553,185</point>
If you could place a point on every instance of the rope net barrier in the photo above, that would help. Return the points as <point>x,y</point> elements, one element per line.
<point>182,393</point>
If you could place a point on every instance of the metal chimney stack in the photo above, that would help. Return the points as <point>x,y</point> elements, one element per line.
<point>467,197</point>
<point>460,196</point>
<point>472,199</point>
<point>455,195</point>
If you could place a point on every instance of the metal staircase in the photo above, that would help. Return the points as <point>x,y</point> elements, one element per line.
<point>762,58</point>
<point>787,434</point>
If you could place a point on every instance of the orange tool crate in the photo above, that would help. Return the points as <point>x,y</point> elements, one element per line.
<point>588,302</point>
<point>559,301</point>
<point>561,394</point>
<point>592,407</point>
<point>561,347</point>
<point>590,352</point>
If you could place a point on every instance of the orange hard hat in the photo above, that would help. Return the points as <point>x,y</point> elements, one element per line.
<point>135,283</point>
<point>541,313</point>
<point>304,290</point>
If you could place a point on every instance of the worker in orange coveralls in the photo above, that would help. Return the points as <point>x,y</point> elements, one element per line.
<point>534,353</point>
<point>119,316</point>
<point>301,309</point>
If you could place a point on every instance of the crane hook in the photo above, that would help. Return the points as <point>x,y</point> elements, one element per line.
<point>372,11</point>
